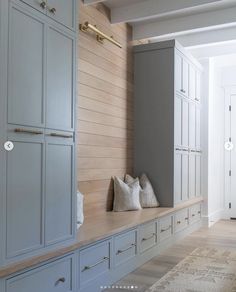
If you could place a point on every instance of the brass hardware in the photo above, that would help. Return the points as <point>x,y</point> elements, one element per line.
<point>147,238</point>
<point>61,280</point>
<point>199,212</point>
<point>99,34</point>
<point>61,135</point>
<point>193,215</point>
<point>33,132</point>
<point>178,222</point>
<point>165,229</point>
<point>53,10</point>
<point>43,5</point>
<point>96,264</point>
<point>186,218</point>
<point>123,250</point>
<point>182,90</point>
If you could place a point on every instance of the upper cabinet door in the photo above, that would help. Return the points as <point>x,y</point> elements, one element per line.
<point>198,128</point>
<point>62,11</point>
<point>192,82</point>
<point>185,80</point>
<point>25,71</point>
<point>178,72</point>
<point>60,79</point>
<point>40,5</point>
<point>192,125</point>
<point>185,123</point>
<point>178,121</point>
<point>198,86</point>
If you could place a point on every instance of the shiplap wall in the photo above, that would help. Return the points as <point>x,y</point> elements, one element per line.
<point>105,109</point>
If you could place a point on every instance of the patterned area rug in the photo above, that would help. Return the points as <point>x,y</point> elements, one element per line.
<point>204,270</point>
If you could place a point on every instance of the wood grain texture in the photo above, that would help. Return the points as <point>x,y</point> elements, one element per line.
<point>105,109</point>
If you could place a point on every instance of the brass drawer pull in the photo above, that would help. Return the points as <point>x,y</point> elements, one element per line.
<point>199,212</point>
<point>178,149</point>
<point>193,215</point>
<point>25,131</point>
<point>165,229</point>
<point>60,135</point>
<point>61,280</point>
<point>96,264</point>
<point>123,250</point>
<point>43,5</point>
<point>147,238</point>
<point>186,218</point>
<point>53,10</point>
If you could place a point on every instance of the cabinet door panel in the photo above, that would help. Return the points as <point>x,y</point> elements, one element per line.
<point>178,72</point>
<point>185,123</point>
<point>192,126</point>
<point>185,74</point>
<point>25,83</point>
<point>198,128</point>
<point>177,177</point>
<point>198,175</point>
<point>178,121</point>
<point>198,86</point>
<point>192,175</point>
<point>59,109</point>
<point>185,172</point>
<point>59,191</point>
<point>24,197</point>
<point>64,11</point>
<point>37,4</point>
<point>192,82</point>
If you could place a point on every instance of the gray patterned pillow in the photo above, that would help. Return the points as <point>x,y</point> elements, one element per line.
<point>126,196</point>
<point>147,196</point>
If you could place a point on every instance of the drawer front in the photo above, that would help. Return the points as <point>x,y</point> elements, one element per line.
<point>195,213</point>
<point>181,220</point>
<point>125,247</point>
<point>165,227</point>
<point>147,236</point>
<point>94,261</point>
<point>57,276</point>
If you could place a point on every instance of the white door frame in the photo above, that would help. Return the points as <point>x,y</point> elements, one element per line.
<point>229,90</point>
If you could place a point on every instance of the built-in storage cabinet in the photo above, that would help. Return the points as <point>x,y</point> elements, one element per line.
<point>167,102</point>
<point>39,5</point>
<point>147,236</point>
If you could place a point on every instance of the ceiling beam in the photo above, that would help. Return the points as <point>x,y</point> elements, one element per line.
<point>186,24</point>
<point>158,8</point>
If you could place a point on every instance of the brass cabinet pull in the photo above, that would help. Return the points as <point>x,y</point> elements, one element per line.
<point>147,238</point>
<point>60,135</point>
<point>193,215</point>
<point>178,149</point>
<point>182,90</point>
<point>25,131</point>
<point>123,250</point>
<point>96,264</point>
<point>43,4</point>
<point>178,222</point>
<point>52,10</point>
<point>199,212</point>
<point>61,280</point>
<point>165,229</point>
<point>186,218</point>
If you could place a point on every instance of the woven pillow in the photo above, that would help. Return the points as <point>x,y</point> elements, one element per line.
<point>126,196</point>
<point>147,196</point>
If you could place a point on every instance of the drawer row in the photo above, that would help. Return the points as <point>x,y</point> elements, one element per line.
<point>104,262</point>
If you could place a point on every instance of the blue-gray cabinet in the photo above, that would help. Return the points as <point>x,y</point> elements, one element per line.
<point>37,98</point>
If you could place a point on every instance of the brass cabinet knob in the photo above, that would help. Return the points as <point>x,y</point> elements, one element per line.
<point>43,4</point>
<point>53,10</point>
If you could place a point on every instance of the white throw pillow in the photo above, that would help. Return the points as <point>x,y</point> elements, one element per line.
<point>147,195</point>
<point>126,196</point>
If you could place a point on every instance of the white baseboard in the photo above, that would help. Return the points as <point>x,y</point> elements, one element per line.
<point>212,218</point>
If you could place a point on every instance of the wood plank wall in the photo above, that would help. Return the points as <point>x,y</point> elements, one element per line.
<point>105,109</point>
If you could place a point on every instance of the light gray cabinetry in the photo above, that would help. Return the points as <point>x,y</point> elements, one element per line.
<point>40,5</point>
<point>167,120</point>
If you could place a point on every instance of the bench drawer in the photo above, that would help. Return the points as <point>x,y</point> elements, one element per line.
<point>165,227</point>
<point>94,262</point>
<point>147,236</point>
<point>125,247</point>
<point>181,220</point>
<point>195,213</point>
<point>54,277</point>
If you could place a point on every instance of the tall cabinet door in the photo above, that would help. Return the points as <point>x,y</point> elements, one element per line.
<point>185,76</point>
<point>185,123</point>
<point>192,175</point>
<point>198,127</point>
<point>178,121</point>
<point>24,193</point>
<point>185,175</point>
<point>178,177</point>
<point>198,174</point>
<point>25,69</point>
<point>59,196</point>
<point>178,72</point>
<point>60,80</point>
<point>192,125</point>
<point>192,82</point>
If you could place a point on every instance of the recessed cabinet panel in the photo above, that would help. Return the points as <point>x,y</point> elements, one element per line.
<point>192,126</point>
<point>59,190</point>
<point>185,74</point>
<point>185,170</point>
<point>198,86</point>
<point>185,123</point>
<point>37,4</point>
<point>198,175</point>
<point>25,71</point>
<point>62,11</point>
<point>59,108</point>
<point>178,72</point>
<point>178,121</point>
<point>198,128</point>
<point>192,82</point>
<point>192,175</point>
<point>177,177</point>
<point>24,196</point>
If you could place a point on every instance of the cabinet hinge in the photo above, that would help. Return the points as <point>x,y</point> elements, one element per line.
<point>230,172</point>
<point>229,205</point>
<point>230,108</point>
